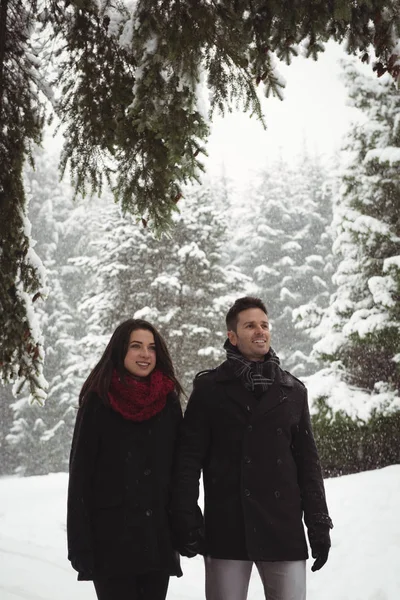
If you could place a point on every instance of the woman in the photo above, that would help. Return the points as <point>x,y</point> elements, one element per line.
<point>120,468</point>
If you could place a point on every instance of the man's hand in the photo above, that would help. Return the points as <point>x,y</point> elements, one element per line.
<point>320,542</point>
<point>83,564</point>
<point>320,552</point>
<point>193,545</point>
<point>190,549</point>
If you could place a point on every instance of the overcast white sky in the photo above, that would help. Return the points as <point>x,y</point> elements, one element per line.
<point>312,116</point>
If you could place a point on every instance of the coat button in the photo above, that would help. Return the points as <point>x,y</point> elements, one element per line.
<point>148,512</point>
<point>147,471</point>
<point>248,408</point>
<point>247,492</point>
<point>247,460</point>
<point>249,427</point>
<point>279,462</point>
<point>279,431</point>
<point>277,494</point>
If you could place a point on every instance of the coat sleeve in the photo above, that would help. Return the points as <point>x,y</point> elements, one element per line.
<point>192,448</point>
<point>84,449</point>
<point>177,415</point>
<point>310,478</point>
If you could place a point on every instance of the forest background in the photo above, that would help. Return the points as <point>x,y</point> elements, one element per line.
<point>317,239</point>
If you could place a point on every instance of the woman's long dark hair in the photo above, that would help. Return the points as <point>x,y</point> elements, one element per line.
<point>114,356</point>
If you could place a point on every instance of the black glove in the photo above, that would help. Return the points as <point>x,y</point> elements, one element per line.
<point>83,563</point>
<point>319,551</point>
<point>193,545</point>
<point>320,542</point>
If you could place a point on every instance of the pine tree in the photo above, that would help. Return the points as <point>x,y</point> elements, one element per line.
<point>40,437</point>
<point>22,278</point>
<point>180,283</point>
<point>208,285</point>
<point>146,144</point>
<point>283,246</point>
<point>360,329</point>
<point>8,462</point>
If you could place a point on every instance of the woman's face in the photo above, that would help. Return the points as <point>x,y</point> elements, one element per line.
<point>140,359</point>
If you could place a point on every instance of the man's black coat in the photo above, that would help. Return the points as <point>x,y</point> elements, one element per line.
<point>260,467</point>
<point>118,495</point>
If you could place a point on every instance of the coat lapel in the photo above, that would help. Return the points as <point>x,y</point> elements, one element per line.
<point>276,394</point>
<point>235,389</point>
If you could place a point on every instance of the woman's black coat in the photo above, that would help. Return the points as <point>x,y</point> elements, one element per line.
<point>118,495</point>
<point>260,465</point>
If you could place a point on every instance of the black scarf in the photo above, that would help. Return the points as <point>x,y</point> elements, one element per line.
<point>256,375</point>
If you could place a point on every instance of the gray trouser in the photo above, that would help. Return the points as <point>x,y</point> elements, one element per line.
<point>229,579</point>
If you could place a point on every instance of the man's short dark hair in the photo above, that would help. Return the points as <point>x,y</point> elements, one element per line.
<point>240,305</point>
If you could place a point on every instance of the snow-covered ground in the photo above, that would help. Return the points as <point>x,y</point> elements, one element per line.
<point>364,563</point>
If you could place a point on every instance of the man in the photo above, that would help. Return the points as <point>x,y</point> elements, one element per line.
<point>247,427</point>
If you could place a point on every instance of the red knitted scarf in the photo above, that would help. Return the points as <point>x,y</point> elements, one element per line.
<point>139,400</point>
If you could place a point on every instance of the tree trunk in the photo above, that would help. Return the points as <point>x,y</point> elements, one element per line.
<point>3,37</point>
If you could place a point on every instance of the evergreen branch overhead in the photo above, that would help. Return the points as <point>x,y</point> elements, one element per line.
<point>130,102</point>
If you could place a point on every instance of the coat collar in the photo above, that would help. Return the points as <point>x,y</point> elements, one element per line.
<point>224,373</point>
<point>274,396</point>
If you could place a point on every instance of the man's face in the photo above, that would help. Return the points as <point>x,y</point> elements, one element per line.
<point>252,336</point>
